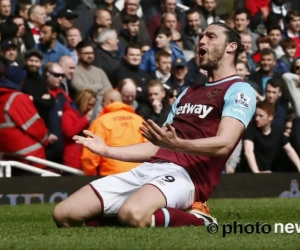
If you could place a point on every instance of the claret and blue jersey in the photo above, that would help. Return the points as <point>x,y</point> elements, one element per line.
<point>197,114</point>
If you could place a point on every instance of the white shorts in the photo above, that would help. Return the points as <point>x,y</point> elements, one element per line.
<point>172,180</point>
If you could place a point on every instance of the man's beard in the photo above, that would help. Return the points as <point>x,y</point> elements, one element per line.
<point>33,70</point>
<point>85,63</point>
<point>214,56</point>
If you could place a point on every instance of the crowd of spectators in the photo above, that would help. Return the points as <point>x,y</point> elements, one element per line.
<point>105,65</point>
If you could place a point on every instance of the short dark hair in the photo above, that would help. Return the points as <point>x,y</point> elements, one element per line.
<point>232,37</point>
<point>267,51</point>
<point>83,44</point>
<point>130,19</point>
<point>275,83</point>
<point>274,27</point>
<point>51,2</point>
<point>191,11</point>
<point>266,106</point>
<point>54,26</point>
<point>291,15</point>
<point>132,46</point>
<point>162,30</point>
<point>241,11</point>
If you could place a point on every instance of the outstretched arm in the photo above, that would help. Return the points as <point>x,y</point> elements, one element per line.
<point>134,153</point>
<point>230,131</point>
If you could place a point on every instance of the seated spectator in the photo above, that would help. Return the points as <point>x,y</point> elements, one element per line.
<point>68,65</point>
<point>273,93</point>
<point>263,140</point>
<point>266,71</point>
<point>52,49</point>
<point>54,74</point>
<point>262,43</point>
<point>73,38</point>
<point>176,38</point>
<point>86,75</point>
<point>275,38</point>
<point>131,8</point>
<point>5,10</point>
<point>130,69</point>
<point>130,32</point>
<point>106,57</point>
<point>22,9</point>
<point>289,48</point>
<point>21,128</point>
<point>17,20</point>
<point>35,84</point>
<point>9,50</point>
<point>36,20</point>
<point>208,14</point>
<point>163,61</point>
<point>75,119</point>
<point>246,40</point>
<point>155,20</point>
<point>156,109</point>
<point>172,95</point>
<point>163,37</point>
<point>179,73</point>
<point>241,24</point>
<point>118,125</point>
<point>169,20</point>
<point>65,19</point>
<point>128,89</point>
<point>292,19</point>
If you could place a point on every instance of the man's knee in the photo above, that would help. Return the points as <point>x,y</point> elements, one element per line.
<point>133,216</point>
<point>59,216</point>
<point>63,218</point>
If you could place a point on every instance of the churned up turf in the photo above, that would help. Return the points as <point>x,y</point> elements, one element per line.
<point>31,227</point>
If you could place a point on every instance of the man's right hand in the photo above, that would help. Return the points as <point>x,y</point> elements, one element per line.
<point>93,143</point>
<point>46,96</point>
<point>52,138</point>
<point>157,106</point>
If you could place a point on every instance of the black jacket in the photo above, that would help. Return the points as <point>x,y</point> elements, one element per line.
<point>35,86</point>
<point>146,111</point>
<point>106,60</point>
<point>134,72</point>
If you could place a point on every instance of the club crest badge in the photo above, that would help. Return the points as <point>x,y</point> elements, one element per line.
<point>214,92</point>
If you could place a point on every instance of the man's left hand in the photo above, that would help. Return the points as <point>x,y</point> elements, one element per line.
<point>163,137</point>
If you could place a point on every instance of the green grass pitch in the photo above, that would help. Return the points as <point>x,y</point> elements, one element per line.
<point>31,227</point>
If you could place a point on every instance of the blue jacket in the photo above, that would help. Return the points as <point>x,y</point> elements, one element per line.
<point>148,59</point>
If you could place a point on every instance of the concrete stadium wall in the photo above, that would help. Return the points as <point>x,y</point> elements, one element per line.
<point>27,190</point>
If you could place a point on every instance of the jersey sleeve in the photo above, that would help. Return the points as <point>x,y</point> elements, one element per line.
<point>240,102</point>
<point>174,107</point>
